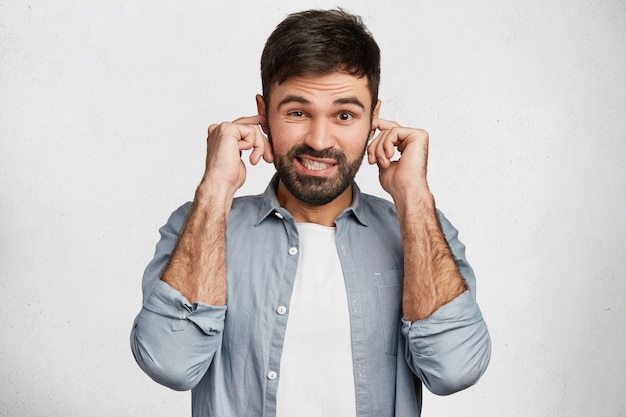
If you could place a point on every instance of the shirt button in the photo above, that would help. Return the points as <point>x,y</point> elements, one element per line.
<point>277,214</point>
<point>272,375</point>
<point>293,251</point>
<point>281,310</point>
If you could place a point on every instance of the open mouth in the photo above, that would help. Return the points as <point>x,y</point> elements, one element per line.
<point>314,165</point>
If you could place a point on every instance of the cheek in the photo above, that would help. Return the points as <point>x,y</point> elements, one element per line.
<point>353,142</point>
<point>284,136</point>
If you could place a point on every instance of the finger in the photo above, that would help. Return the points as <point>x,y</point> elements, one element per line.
<point>373,149</point>
<point>386,147</point>
<point>260,146</point>
<point>377,152</point>
<point>390,142</point>
<point>383,148</point>
<point>252,138</point>
<point>383,124</point>
<point>251,120</point>
<point>268,152</point>
<point>246,135</point>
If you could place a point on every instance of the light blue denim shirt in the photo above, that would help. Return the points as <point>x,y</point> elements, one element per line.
<point>230,356</point>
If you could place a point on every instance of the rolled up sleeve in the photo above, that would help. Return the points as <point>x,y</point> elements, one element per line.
<point>449,350</point>
<point>174,342</point>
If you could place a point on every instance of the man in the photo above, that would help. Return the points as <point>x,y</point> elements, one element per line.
<point>312,299</point>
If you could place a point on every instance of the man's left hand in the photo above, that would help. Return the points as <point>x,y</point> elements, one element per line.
<point>409,171</point>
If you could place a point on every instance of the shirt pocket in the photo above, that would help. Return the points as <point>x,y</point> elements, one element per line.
<point>389,285</point>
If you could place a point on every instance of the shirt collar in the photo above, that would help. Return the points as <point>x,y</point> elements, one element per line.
<point>270,205</point>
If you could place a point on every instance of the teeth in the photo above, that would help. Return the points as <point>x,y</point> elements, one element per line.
<point>314,165</point>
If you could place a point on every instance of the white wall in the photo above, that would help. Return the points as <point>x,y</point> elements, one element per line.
<point>103,111</point>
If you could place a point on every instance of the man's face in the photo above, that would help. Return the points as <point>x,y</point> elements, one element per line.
<point>319,127</point>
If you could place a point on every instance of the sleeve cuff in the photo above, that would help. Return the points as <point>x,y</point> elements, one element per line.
<point>168,302</point>
<point>462,311</point>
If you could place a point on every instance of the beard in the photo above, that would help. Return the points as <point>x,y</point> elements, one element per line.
<point>316,191</point>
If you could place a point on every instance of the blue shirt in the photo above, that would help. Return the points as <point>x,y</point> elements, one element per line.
<point>230,356</point>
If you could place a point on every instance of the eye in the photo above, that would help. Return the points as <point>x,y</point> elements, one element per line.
<point>296,114</point>
<point>345,116</point>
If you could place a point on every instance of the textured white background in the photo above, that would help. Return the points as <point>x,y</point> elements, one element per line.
<point>103,111</point>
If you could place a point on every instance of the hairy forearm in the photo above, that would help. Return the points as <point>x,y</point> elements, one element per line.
<point>197,267</point>
<point>431,278</point>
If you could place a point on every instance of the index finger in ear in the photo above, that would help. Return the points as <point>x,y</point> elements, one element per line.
<point>251,120</point>
<point>382,124</point>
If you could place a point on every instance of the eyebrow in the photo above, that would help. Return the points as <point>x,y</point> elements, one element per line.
<point>350,100</point>
<point>293,99</point>
<point>299,99</point>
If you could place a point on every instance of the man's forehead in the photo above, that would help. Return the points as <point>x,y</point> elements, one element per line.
<point>339,87</point>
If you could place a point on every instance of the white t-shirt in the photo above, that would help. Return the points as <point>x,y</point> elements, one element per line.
<point>316,372</point>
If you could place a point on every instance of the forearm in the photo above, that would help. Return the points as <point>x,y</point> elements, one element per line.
<point>450,349</point>
<point>197,267</point>
<point>431,278</point>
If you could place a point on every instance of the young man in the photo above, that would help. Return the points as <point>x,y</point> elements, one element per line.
<point>312,299</point>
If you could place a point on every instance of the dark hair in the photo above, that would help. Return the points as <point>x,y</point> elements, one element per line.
<point>319,42</point>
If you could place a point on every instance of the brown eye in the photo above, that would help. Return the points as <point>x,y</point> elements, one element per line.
<point>344,116</point>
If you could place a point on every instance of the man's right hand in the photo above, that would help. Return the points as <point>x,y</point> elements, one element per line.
<point>225,171</point>
<point>197,267</point>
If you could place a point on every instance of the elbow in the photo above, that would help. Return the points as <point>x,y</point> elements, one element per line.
<point>451,379</point>
<point>171,377</point>
<point>166,367</point>
<point>165,370</point>
<point>449,384</point>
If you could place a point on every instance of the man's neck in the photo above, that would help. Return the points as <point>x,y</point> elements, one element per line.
<point>302,212</point>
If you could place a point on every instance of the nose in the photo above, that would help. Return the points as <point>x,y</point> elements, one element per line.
<point>320,135</point>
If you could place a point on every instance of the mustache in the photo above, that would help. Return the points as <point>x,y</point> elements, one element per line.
<point>325,153</point>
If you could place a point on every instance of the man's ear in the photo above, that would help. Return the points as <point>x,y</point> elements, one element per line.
<point>375,114</point>
<point>376,109</point>
<point>260,106</point>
